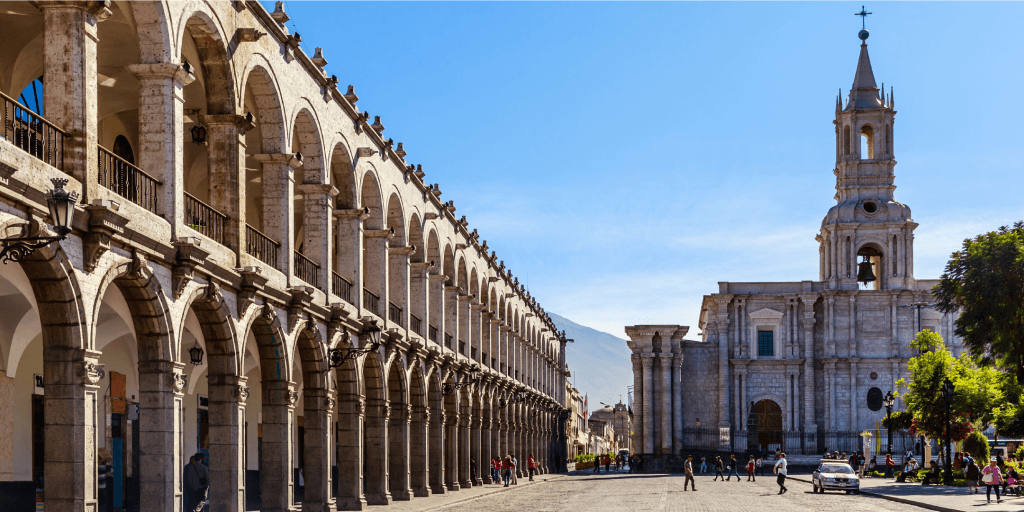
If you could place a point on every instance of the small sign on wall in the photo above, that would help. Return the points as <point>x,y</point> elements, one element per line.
<point>37,380</point>
<point>204,402</point>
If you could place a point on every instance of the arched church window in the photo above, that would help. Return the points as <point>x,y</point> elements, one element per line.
<point>846,140</point>
<point>867,142</point>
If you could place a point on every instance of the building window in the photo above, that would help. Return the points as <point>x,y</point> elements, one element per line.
<point>765,344</point>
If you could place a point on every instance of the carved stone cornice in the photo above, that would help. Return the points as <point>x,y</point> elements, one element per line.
<point>302,297</point>
<point>359,214</point>
<point>252,286</point>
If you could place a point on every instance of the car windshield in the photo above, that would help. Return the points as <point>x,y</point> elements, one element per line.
<point>836,468</point>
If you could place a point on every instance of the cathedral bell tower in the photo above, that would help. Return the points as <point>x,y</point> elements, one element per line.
<point>867,224</point>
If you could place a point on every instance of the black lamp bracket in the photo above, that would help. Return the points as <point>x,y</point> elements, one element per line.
<point>16,249</point>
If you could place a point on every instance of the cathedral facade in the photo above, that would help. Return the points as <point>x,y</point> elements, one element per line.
<point>798,361</point>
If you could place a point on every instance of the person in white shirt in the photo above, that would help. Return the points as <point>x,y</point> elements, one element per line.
<point>780,469</point>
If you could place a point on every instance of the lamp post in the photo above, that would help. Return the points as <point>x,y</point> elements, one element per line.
<point>474,372</point>
<point>338,356</point>
<point>947,396</point>
<point>62,209</point>
<point>888,401</point>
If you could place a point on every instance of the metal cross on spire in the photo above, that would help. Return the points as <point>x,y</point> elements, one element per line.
<point>863,16</point>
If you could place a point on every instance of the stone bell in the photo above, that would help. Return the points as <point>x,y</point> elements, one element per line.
<point>864,273</point>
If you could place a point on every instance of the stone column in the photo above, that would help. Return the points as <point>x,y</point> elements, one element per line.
<point>437,477</point>
<point>319,419</point>
<point>486,447</point>
<point>227,437</point>
<point>160,421</point>
<point>810,425</point>
<point>161,132</point>
<point>69,94</point>
<point>278,188</point>
<point>398,275</point>
<point>7,395</point>
<point>722,322</point>
<point>351,415</point>
<point>648,389</point>
<point>474,449</point>
<point>677,402</point>
<point>375,242</point>
<point>419,460</point>
<point>452,466</point>
<point>854,410</point>
<point>437,312</point>
<point>316,222</point>
<point>419,295</point>
<point>831,390</point>
<point>398,460</point>
<point>666,401</point>
<point>377,453</point>
<point>350,244</point>
<point>279,398</point>
<point>227,191</point>
<point>638,402</point>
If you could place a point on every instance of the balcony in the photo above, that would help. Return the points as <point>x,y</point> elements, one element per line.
<point>395,313</point>
<point>261,247</point>
<point>124,179</point>
<point>204,219</point>
<point>341,287</point>
<point>306,270</point>
<point>432,334</point>
<point>371,301</point>
<point>416,324</point>
<point>30,132</point>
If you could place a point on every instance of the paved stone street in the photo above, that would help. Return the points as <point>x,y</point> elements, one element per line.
<point>635,493</point>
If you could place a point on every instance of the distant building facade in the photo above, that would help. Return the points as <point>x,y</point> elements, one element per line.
<point>789,364</point>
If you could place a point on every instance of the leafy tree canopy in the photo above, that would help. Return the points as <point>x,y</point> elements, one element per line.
<point>984,282</point>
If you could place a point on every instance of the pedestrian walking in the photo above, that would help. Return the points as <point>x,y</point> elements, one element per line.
<point>496,468</point>
<point>703,465</point>
<point>973,473</point>
<point>759,465</point>
<point>688,468</point>
<point>191,482</point>
<point>732,468</point>
<point>506,470</point>
<point>992,479</point>
<point>632,463</point>
<point>597,464</point>
<point>203,479</point>
<point>515,469</point>
<point>780,469</point>
<point>890,465</point>
<point>607,462</point>
<point>531,465</point>
<point>718,469</point>
<point>473,478</point>
<point>750,470</point>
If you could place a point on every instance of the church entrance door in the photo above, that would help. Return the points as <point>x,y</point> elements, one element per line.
<point>766,419</point>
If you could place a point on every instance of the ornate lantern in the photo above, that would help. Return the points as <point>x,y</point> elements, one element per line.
<point>195,354</point>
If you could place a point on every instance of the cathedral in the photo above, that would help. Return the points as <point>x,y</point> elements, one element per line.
<point>795,365</point>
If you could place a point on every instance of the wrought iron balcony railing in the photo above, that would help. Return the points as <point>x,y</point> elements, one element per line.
<point>30,132</point>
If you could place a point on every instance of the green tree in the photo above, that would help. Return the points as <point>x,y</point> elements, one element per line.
<point>976,444</point>
<point>984,282</point>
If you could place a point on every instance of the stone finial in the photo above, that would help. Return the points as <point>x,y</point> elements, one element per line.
<point>377,125</point>
<point>400,151</point>
<point>463,221</point>
<point>350,95</point>
<point>450,205</point>
<point>419,171</point>
<point>279,15</point>
<point>318,58</point>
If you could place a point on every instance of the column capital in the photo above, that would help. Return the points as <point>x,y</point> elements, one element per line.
<point>278,158</point>
<point>162,70</point>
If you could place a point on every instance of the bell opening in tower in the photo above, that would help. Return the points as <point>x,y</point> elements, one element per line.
<point>869,275</point>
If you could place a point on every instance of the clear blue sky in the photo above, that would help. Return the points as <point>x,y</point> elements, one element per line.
<point>626,157</point>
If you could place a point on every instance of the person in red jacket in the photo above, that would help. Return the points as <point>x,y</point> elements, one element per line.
<point>607,462</point>
<point>506,466</point>
<point>531,464</point>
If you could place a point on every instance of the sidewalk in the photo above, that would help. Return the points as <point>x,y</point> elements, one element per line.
<point>933,497</point>
<point>439,501</point>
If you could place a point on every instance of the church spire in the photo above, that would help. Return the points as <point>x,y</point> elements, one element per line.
<point>864,93</point>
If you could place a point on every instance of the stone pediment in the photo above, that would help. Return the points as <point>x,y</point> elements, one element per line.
<point>766,314</point>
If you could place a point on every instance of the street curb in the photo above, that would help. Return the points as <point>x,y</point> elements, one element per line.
<point>496,491</point>
<point>893,498</point>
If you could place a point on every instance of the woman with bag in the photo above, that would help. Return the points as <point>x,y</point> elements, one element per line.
<point>992,478</point>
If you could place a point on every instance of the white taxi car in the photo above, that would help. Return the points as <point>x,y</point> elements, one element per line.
<point>835,475</point>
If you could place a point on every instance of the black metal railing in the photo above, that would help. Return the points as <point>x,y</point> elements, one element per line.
<point>306,270</point>
<point>341,287</point>
<point>395,313</point>
<point>30,132</point>
<point>126,180</point>
<point>432,334</point>
<point>261,246</point>
<point>204,219</point>
<point>416,324</point>
<point>371,301</point>
<point>448,341</point>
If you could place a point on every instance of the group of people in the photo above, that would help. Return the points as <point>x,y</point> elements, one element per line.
<point>505,469</point>
<point>754,465</point>
<point>606,460</point>
<point>994,475</point>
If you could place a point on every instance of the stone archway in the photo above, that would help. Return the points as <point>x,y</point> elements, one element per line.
<point>765,420</point>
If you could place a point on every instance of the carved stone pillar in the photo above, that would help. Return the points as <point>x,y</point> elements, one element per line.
<point>419,460</point>
<point>351,415</point>
<point>649,441</point>
<point>349,250</point>
<point>810,424</point>
<point>279,398</point>
<point>160,422</point>
<point>452,442</point>
<point>437,453</point>
<point>227,434</point>
<point>319,419</point>
<point>227,196</point>
<point>399,425</point>
<point>316,226</point>
<point>377,417</point>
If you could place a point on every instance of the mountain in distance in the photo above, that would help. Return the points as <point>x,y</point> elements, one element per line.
<point>598,361</point>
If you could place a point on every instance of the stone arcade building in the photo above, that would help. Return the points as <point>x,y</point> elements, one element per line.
<point>293,227</point>
<point>801,365</point>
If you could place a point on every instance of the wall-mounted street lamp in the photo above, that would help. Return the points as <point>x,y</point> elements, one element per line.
<point>518,395</point>
<point>338,356</point>
<point>195,354</point>
<point>198,132</point>
<point>62,209</point>
<point>474,373</point>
